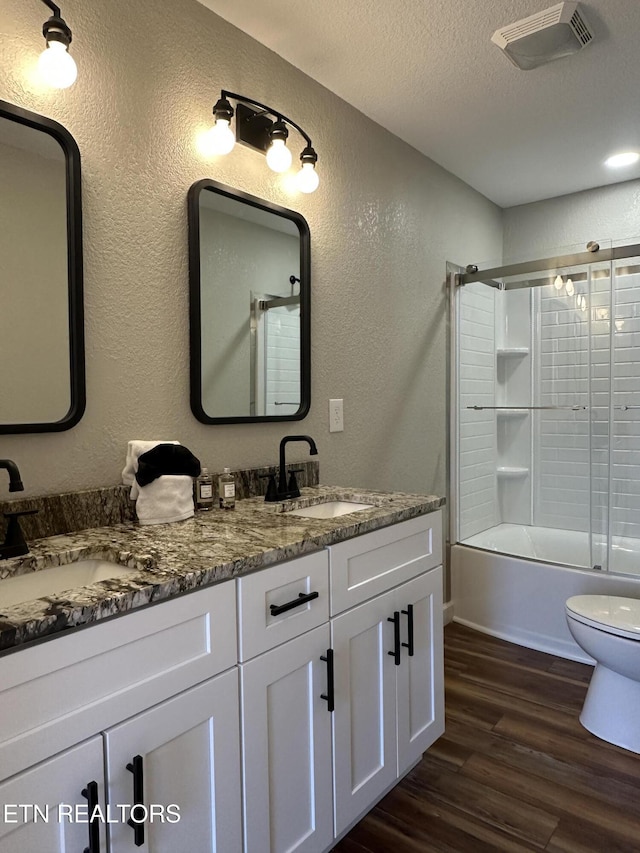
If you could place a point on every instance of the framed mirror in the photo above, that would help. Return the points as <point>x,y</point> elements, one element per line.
<point>249,274</point>
<point>42,383</point>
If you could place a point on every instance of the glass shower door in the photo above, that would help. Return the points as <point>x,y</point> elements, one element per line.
<point>624,525</point>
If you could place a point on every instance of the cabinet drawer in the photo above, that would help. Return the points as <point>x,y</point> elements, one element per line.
<point>375,562</point>
<point>276,587</point>
<point>66,689</point>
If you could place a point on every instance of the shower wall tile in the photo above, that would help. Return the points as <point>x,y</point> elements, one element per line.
<point>477,497</point>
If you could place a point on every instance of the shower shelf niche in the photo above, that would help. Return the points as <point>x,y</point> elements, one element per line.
<point>512,352</point>
<point>511,471</point>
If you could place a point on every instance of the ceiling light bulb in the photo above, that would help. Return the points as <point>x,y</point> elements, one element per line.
<point>558,282</point>
<point>278,156</point>
<point>625,158</point>
<point>56,65</point>
<point>570,288</point>
<point>220,139</point>
<point>307,179</point>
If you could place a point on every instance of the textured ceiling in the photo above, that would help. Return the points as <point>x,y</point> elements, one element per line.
<point>428,72</point>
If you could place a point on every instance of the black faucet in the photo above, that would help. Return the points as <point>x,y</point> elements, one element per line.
<point>15,483</point>
<point>14,544</point>
<point>286,491</point>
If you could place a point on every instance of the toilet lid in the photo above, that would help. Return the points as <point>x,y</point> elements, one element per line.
<point>609,613</point>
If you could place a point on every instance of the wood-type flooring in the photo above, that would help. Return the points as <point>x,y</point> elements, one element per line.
<point>515,771</point>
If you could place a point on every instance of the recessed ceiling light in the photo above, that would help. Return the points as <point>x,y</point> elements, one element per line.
<point>625,158</point>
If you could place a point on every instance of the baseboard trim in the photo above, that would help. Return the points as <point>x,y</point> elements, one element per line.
<point>447,612</point>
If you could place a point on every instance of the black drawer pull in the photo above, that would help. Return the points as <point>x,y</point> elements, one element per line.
<point>409,614</point>
<point>136,768</point>
<point>91,794</point>
<point>396,637</point>
<point>303,598</point>
<point>329,696</point>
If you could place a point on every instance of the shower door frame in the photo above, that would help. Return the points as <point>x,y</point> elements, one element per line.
<point>457,278</point>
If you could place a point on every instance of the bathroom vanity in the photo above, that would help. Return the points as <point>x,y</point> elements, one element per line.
<point>268,709</point>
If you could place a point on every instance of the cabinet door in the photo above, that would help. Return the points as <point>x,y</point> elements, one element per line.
<point>364,721</point>
<point>420,679</point>
<point>189,748</point>
<point>286,735</point>
<point>55,783</point>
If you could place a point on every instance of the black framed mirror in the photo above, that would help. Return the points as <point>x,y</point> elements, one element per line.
<point>249,280</point>
<point>42,374</point>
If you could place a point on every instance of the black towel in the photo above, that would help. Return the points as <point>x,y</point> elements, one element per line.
<point>166,459</point>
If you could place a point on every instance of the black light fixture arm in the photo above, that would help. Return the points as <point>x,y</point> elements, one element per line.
<point>55,9</point>
<point>56,28</point>
<point>266,109</point>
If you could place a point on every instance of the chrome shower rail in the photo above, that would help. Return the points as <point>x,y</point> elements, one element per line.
<point>589,257</point>
<point>529,408</point>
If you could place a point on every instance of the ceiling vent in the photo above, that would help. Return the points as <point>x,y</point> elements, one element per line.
<point>555,32</point>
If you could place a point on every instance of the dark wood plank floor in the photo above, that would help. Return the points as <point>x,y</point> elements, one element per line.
<point>514,770</point>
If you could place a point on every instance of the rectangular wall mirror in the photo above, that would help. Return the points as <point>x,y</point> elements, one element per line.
<point>42,385</point>
<point>249,271</point>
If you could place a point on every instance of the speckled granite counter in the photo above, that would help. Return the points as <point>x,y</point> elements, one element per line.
<point>169,559</point>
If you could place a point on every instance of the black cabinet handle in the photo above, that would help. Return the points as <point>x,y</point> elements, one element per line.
<point>409,614</point>
<point>329,696</point>
<point>136,768</point>
<point>277,609</point>
<point>91,794</point>
<point>396,637</point>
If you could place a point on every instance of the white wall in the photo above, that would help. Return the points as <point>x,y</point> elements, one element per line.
<point>384,222</point>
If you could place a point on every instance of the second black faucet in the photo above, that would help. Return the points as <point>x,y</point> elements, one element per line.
<point>286,491</point>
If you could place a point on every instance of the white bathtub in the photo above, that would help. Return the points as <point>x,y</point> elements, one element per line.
<point>521,599</point>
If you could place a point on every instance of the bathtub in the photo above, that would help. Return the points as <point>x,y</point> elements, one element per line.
<point>512,582</point>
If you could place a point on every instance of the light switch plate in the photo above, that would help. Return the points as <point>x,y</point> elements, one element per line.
<point>336,416</point>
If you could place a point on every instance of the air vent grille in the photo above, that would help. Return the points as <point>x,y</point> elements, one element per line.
<point>580,28</point>
<point>531,25</point>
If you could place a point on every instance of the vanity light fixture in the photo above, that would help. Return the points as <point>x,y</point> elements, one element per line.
<point>265,130</point>
<point>56,65</point>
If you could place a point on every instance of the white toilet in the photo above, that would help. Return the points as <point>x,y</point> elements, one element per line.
<point>608,629</point>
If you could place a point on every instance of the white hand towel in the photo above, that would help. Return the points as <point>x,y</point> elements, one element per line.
<point>169,498</point>
<point>134,450</point>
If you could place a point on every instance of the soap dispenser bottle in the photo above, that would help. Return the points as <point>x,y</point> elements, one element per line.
<point>204,490</point>
<point>227,490</point>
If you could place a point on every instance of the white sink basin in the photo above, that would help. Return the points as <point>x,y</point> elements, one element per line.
<point>15,590</point>
<point>330,509</point>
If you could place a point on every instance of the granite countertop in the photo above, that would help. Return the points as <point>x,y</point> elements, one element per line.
<point>168,559</point>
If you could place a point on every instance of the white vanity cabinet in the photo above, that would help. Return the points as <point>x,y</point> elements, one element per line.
<point>388,659</point>
<point>184,753</point>
<point>273,710</point>
<point>286,724</point>
<point>127,687</point>
<point>340,695</point>
<point>69,781</point>
<point>387,714</point>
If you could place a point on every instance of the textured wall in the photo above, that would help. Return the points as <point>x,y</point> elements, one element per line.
<point>383,223</point>
<point>568,222</point>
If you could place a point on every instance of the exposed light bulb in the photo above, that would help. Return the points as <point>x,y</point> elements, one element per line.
<point>558,283</point>
<point>220,139</point>
<point>570,288</point>
<point>56,65</point>
<point>278,156</point>
<point>307,179</point>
